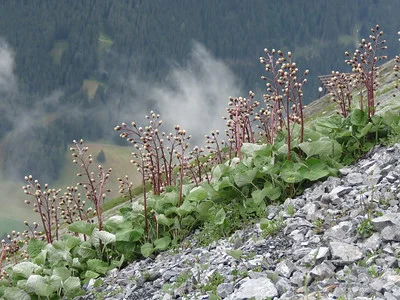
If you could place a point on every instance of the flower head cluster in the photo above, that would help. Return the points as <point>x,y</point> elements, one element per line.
<point>364,64</point>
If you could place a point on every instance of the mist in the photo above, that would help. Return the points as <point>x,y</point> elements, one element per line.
<point>8,82</point>
<point>194,95</point>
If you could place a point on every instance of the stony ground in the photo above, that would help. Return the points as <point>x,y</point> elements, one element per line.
<point>339,240</point>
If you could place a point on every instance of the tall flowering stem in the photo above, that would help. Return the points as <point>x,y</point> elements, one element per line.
<point>284,97</point>
<point>240,120</point>
<point>396,69</point>
<point>157,150</point>
<point>13,248</point>
<point>46,205</point>
<point>215,147</point>
<point>364,63</point>
<point>198,166</point>
<point>156,155</point>
<point>94,183</point>
<point>341,86</point>
<point>126,186</point>
<point>72,207</point>
<point>182,145</point>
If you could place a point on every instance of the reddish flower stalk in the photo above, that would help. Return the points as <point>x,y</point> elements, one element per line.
<point>126,186</point>
<point>46,205</point>
<point>284,97</point>
<point>155,157</point>
<point>240,120</point>
<point>341,86</point>
<point>95,186</point>
<point>197,169</point>
<point>181,139</point>
<point>158,158</point>
<point>364,63</point>
<point>215,147</point>
<point>72,207</point>
<point>396,69</point>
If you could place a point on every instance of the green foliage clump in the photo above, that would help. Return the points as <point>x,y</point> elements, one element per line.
<point>366,228</point>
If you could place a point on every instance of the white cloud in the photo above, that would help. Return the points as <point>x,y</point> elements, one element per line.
<point>8,82</point>
<point>194,95</point>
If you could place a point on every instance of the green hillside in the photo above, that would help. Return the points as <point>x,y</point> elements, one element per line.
<point>14,211</point>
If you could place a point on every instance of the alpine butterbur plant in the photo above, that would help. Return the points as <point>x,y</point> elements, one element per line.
<point>341,87</point>
<point>46,205</point>
<point>156,156</point>
<point>364,62</point>
<point>94,186</point>
<point>240,123</point>
<point>396,69</point>
<point>284,97</point>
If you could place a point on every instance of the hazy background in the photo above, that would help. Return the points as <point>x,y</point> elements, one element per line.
<point>71,70</point>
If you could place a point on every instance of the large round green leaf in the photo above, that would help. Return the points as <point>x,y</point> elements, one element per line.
<point>147,249</point>
<point>162,243</point>
<point>13,293</point>
<point>220,217</point>
<point>82,227</point>
<point>290,172</point>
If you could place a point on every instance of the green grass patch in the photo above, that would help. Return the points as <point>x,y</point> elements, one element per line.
<point>58,50</point>
<point>105,43</point>
<point>346,40</point>
<point>7,225</point>
<point>116,157</point>
<point>90,86</point>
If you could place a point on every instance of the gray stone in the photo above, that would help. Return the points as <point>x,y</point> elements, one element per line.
<point>255,275</point>
<point>224,289</point>
<point>296,223</point>
<point>297,235</point>
<point>297,279</point>
<point>345,171</point>
<point>377,284</point>
<point>260,288</point>
<point>345,253</point>
<point>167,275</point>
<point>389,219</point>
<point>391,178</point>
<point>391,233</point>
<point>396,292</point>
<point>385,171</point>
<point>339,231</point>
<point>283,285</point>
<point>300,253</point>
<point>322,271</point>
<point>285,268</point>
<point>315,256</point>
<point>315,194</point>
<point>389,296</point>
<point>290,295</point>
<point>167,297</point>
<point>339,191</point>
<point>326,198</point>
<point>391,262</point>
<point>373,242</point>
<point>355,178</point>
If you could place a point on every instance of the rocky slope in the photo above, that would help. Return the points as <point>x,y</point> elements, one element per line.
<point>339,240</point>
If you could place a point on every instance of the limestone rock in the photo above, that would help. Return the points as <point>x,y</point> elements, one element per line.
<point>260,289</point>
<point>345,253</point>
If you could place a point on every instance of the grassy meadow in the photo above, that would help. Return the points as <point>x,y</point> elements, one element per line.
<point>13,210</point>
